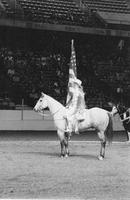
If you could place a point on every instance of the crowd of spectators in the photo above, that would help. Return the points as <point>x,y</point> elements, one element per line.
<point>25,73</point>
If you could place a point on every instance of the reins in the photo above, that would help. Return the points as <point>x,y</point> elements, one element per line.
<point>41,112</point>
<point>47,115</point>
<point>53,114</point>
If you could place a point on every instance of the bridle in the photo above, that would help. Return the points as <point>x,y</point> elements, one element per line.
<point>41,112</point>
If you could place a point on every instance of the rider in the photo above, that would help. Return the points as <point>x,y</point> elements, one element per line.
<point>75,105</point>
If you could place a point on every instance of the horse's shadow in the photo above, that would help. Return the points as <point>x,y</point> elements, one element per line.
<point>85,156</point>
<point>57,155</point>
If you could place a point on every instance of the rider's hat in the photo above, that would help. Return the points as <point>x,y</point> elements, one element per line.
<point>77,81</point>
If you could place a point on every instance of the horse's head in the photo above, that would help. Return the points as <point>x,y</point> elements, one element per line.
<point>119,108</point>
<point>41,103</point>
<point>114,110</point>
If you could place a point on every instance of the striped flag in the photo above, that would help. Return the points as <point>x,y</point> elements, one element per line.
<point>72,67</point>
<point>73,77</point>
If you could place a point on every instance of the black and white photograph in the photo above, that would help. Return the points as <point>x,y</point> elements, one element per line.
<point>65,99</point>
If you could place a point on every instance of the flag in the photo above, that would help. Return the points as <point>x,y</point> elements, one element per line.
<point>72,67</point>
<point>72,76</point>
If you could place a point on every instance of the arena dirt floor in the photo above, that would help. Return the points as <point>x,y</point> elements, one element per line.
<point>30,167</point>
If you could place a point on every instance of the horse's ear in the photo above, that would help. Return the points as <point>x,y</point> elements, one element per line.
<point>42,94</point>
<point>118,104</point>
<point>111,104</point>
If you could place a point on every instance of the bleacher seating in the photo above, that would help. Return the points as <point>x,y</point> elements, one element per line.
<point>12,9</point>
<point>75,12</point>
<point>48,11</point>
<point>115,6</point>
<point>55,12</point>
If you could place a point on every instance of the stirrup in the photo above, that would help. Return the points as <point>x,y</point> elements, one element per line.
<point>81,120</point>
<point>67,130</point>
<point>68,135</point>
<point>77,132</point>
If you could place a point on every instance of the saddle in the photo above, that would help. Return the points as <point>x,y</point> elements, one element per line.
<point>80,115</point>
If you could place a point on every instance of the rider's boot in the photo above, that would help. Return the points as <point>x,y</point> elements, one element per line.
<point>67,130</point>
<point>77,132</point>
<point>76,128</point>
<point>67,126</point>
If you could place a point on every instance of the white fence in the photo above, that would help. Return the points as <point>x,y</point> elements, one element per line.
<point>29,120</point>
<point>25,120</point>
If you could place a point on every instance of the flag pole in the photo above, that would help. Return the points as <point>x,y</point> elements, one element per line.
<point>72,67</point>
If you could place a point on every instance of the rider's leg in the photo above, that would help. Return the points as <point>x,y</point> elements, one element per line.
<point>76,127</point>
<point>67,126</point>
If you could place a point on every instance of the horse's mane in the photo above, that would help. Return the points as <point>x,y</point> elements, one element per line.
<point>54,100</point>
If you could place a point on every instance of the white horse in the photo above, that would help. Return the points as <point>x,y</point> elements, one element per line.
<point>97,118</point>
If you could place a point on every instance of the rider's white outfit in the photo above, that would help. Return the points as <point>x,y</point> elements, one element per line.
<point>75,104</point>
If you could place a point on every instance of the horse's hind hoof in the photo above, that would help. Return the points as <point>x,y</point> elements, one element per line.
<point>100,158</point>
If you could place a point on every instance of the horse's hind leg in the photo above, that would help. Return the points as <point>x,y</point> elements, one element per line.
<point>66,143</point>
<point>103,145</point>
<point>128,136</point>
<point>62,148</point>
<point>61,138</point>
<point>102,151</point>
<point>63,143</point>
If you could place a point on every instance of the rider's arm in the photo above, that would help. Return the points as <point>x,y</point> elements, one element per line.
<point>69,101</point>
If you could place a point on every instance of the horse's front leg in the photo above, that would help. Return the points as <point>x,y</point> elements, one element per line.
<point>62,148</point>
<point>66,143</point>
<point>128,137</point>
<point>63,137</point>
<point>102,150</point>
<point>103,145</point>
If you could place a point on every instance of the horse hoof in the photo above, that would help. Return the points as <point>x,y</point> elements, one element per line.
<point>66,156</point>
<point>100,158</point>
<point>62,156</point>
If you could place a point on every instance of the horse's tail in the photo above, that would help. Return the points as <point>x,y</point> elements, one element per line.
<point>109,130</point>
